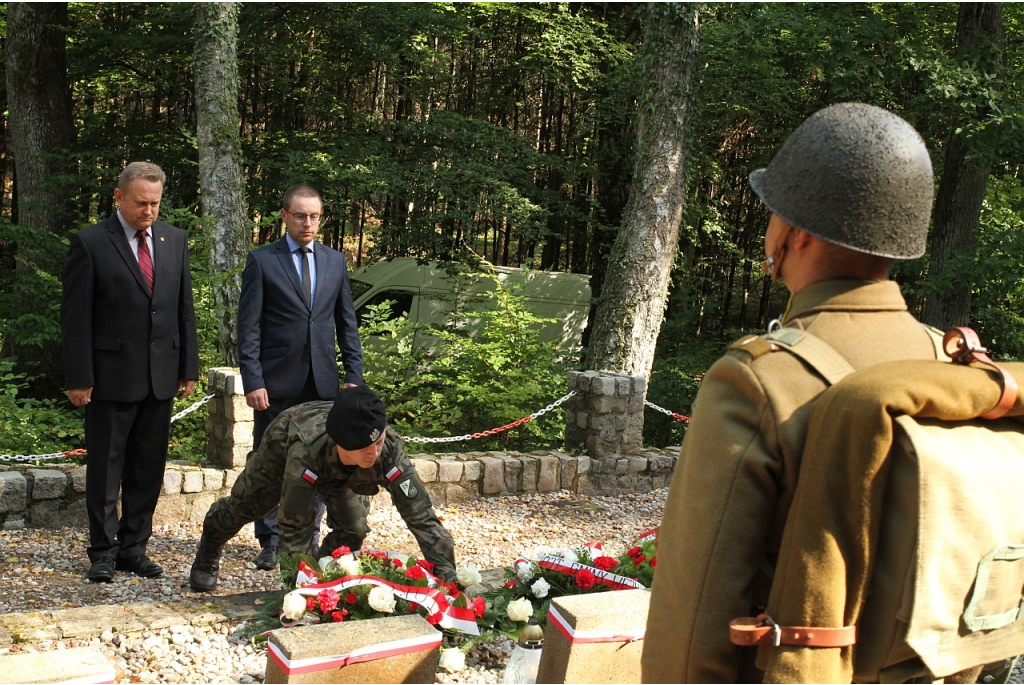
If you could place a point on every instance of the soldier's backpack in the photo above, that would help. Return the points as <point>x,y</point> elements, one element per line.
<point>946,588</point>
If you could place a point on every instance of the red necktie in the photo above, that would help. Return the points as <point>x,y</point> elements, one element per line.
<point>145,260</point>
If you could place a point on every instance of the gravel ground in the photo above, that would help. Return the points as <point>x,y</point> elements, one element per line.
<point>45,570</point>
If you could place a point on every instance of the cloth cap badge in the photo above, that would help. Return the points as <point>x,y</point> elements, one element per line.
<point>374,434</point>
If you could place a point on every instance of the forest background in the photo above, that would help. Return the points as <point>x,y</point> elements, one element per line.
<point>499,132</point>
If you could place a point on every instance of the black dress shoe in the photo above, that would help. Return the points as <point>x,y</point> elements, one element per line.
<point>266,560</point>
<point>101,571</point>
<point>140,565</point>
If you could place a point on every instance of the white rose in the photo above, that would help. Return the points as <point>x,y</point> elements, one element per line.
<point>452,660</point>
<point>382,599</point>
<point>520,609</point>
<point>524,572</point>
<point>540,588</point>
<point>325,562</point>
<point>294,606</point>
<point>469,575</point>
<point>347,564</point>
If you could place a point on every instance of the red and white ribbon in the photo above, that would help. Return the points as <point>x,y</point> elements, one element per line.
<point>433,600</point>
<point>576,637</point>
<point>648,535</point>
<point>381,650</point>
<point>606,578</point>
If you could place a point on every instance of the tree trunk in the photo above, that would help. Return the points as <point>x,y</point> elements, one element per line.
<point>220,166</point>
<point>961,191</point>
<point>42,133</point>
<point>635,288</point>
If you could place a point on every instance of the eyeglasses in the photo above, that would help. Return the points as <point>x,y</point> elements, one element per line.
<point>301,218</point>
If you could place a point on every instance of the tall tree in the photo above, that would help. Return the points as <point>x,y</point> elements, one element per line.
<point>42,133</point>
<point>222,188</point>
<point>635,289</point>
<point>979,38</point>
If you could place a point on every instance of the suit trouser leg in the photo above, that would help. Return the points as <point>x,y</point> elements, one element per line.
<point>127,449</point>
<point>266,528</point>
<point>143,474</point>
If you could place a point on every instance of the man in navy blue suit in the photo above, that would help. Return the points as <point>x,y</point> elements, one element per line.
<point>128,333</point>
<point>294,313</point>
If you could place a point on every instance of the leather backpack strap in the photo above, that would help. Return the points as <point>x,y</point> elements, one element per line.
<point>814,351</point>
<point>762,630</point>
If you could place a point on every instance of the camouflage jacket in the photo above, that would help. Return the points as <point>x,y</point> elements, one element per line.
<point>311,456</point>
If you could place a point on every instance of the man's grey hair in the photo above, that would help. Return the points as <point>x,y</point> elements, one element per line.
<point>146,170</point>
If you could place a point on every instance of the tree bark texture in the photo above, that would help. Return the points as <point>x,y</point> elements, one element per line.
<point>42,134</point>
<point>635,288</point>
<point>222,188</point>
<point>963,183</point>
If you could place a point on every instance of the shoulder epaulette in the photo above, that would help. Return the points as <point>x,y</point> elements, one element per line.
<point>754,345</point>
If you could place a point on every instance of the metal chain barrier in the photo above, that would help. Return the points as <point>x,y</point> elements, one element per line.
<point>189,410</point>
<point>666,412</point>
<point>494,431</point>
<point>78,453</point>
<point>453,438</point>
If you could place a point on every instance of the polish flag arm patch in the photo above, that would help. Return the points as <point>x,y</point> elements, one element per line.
<point>309,476</point>
<point>394,473</point>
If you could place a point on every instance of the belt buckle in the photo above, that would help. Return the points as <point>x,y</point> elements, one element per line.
<point>776,634</point>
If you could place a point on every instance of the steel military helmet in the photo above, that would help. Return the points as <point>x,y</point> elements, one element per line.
<point>855,175</point>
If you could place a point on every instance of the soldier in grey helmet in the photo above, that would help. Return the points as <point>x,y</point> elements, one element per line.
<point>850,192</point>
<point>342,450</point>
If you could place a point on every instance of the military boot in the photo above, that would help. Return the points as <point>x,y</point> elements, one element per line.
<point>203,577</point>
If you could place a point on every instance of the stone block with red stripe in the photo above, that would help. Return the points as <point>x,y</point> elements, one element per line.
<point>399,649</point>
<point>595,638</point>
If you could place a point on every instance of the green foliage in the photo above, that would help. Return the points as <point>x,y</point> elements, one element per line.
<point>486,368</point>
<point>997,301</point>
<point>35,426</point>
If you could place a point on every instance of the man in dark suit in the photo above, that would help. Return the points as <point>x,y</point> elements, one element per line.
<point>129,340</point>
<point>296,304</point>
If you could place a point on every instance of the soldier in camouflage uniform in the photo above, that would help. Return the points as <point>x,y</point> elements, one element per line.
<point>342,450</point>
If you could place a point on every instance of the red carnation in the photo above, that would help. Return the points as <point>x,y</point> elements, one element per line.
<point>328,600</point>
<point>311,603</point>
<point>415,572</point>
<point>379,555</point>
<point>606,563</point>
<point>434,619</point>
<point>397,562</point>
<point>351,598</point>
<point>585,579</point>
<point>339,616</point>
<point>479,606</point>
<point>341,551</point>
<point>633,552</point>
<point>639,559</point>
<point>429,566</point>
<point>413,606</point>
<point>303,566</point>
<point>509,584</point>
<point>654,561</point>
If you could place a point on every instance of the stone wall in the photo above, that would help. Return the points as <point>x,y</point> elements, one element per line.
<point>54,496</point>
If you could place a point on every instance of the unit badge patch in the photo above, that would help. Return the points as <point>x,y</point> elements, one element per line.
<point>408,488</point>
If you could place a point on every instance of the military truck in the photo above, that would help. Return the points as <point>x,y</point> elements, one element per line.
<point>429,293</point>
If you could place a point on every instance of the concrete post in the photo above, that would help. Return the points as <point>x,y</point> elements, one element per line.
<point>606,417</point>
<point>229,421</point>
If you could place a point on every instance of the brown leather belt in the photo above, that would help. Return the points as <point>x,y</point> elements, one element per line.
<point>762,630</point>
